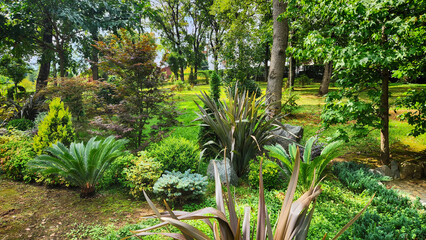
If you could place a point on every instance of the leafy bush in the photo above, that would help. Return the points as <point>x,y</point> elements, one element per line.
<point>82,164</point>
<point>310,169</point>
<point>15,151</point>
<point>248,85</point>
<point>289,104</point>
<point>393,217</point>
<point>175,154</point>
<point>180,187</point>
<point>20,124</point>
<point>303,80</point>
<point>272,177</point>
<point>142,176</point>
<point>72,91</point>
<point>240,125</point>
<point>56,127</point>
<point>116,173</point>
<point>416,100</point>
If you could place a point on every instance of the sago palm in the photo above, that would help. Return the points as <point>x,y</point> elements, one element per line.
<point>82,164</point>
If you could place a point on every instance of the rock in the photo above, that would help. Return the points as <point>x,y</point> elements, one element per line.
<point>410,170</point>
<point>3,131</point>
<point>290,134</point>
<point>315,151</point>
<point>232,175</point>
<point>394,169</point>
<point>383,171</point>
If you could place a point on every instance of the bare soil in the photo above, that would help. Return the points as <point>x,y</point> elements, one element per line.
<point>36,212</point>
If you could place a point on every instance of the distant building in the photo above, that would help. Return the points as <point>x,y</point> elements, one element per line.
<point>167,71</point>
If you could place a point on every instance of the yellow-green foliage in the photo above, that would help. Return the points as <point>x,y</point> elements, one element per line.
<point>56,127</point>
<point>143,175</point>
<point>271,172</point>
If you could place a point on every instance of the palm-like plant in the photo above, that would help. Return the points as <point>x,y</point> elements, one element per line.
<point>240,124</point>
<point>293,221</point>
<point>81,165</point>
<point>310,169</point>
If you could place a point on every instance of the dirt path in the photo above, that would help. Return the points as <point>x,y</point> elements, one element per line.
<point>411,188</point>
<point>36,212</point>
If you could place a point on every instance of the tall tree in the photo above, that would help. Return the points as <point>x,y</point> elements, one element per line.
<point>171,19</point>
<point>278,53</point>
<point>385,39</point>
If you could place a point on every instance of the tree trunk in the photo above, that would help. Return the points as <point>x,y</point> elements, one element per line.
<point>87,191</point>
<point>276,71</point>
<point>61,63</point>
<point>384,107</point>
<point>384,111</point>
<point>182,75</point>
<point>328,70</point>
<point>265,61</point>
<point>291,73</point>
<point>43,73</point>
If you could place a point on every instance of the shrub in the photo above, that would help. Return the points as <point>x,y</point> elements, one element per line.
<point>39,118</point>
<point>272,177</point>
<point>56,127</point>
<point>393,217</point>
<point>248,85</point>
<point>310,169</point>
<point>142,176</point>
<point>215,84</point>
<point>15,151</point>
<point>178,187</point>
<point>176,154</point>
<point>116,173</point>
<point>303,80</point>
<point>20,124</point>
<point>240,125</point>
<point>81,164</point>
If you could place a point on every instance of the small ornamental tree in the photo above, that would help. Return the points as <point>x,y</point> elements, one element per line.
<point>56,127</point>
<point>132,59</point>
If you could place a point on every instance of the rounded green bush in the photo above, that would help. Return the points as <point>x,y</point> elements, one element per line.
<point>142,176</point>
<point>271,172</point>
<point>177,154</point>
<point>20,124</point>
<point>116,172</point>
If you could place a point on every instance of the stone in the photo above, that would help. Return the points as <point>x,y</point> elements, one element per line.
<point>3,131</point>
<point>315,151</point>
<point>287,135</point>
<point>232,175</point>
<point>394,169</point>
<point>382,171</point>
<point>409,170</point>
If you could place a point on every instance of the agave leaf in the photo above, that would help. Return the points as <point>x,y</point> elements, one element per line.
<point>282,222</point>
<point>353,219</point>
<point>304,225</point>
<point>218,190</point>
<point>246,224</point>
<point>187,229</point>
<point>268,226</point>
<point>171,235</point>
<point>261,213</point>
<point>151,204</point>
<point>216,232</point>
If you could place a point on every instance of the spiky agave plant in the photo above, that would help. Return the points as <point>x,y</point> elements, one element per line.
<point>240,125</point>
<point>292,223</point>
<point>82,164</point>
